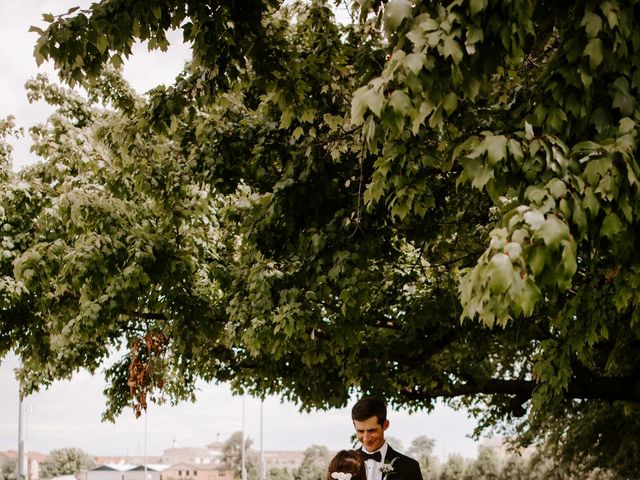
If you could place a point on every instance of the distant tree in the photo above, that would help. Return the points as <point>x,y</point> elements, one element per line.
<point>65,461</point>
<point>422,450</point>
<point>514,468</point>
<point>454,468</point>
<point>8,467</point>
<point>544,467</point>
<point>280,473</point>
<point>547,464</point>
<point>485,467</point>
<point>395,443</point>
<point>232,456</point>
<point>314,464</point>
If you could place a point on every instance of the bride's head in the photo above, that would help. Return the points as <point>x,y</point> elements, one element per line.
<point>347,465</point>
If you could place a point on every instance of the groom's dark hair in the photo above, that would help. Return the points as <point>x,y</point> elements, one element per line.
<point>368,407</point>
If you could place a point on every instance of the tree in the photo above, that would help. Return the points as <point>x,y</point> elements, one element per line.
<point>65,461</point>
<point>422,450</point>
<point>545,467</point>
<point>454,468</point>
<point>8,468</point>
<point>485,467</point>
<point>447,192</point>
<point>514,468</point>
<point>280,473</point>
<point>314,464</point>
<point>232,456</point>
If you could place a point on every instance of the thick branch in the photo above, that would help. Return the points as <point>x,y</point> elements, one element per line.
<point>146,315</point>
<point>611,388</point>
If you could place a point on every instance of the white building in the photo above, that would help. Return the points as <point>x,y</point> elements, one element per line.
<point>125,472</point>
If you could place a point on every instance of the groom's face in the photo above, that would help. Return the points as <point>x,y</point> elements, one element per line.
<point>370,433</point>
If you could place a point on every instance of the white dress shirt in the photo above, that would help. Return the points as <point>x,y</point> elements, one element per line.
<point>373,467</point>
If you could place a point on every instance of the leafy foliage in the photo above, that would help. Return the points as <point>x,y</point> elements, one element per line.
<point>8,468</point>
<point>279,473</point>
<point>454,468</point>
<point>232,456</point>
<point>486,466</point>
<point>314,464</point>
<point>421,449</point>
<point>65,461</point>
<point>445,192</point>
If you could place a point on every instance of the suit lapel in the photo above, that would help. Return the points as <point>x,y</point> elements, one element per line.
<point>391,454</point>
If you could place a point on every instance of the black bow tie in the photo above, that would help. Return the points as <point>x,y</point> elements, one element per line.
<point>377,456</point>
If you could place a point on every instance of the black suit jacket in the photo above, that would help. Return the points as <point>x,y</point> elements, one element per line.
<point>404,468</point>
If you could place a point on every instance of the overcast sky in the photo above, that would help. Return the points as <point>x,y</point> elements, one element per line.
<point>68,413</point>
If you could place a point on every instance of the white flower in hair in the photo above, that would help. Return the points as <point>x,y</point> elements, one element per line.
<point>341,476</point>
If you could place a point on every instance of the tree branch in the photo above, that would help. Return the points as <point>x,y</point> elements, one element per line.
<point>607,388</point>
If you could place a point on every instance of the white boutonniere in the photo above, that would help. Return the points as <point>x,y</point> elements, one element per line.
<point>387,468</point>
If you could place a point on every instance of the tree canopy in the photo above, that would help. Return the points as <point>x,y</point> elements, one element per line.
<point>66,461</point>
<point>432,200</point>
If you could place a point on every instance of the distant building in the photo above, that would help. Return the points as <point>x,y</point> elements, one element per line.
<point>127,459</point>
<point>64,477</point>
<point>196,455</point>
<point>216,449</point>
<point>34,459</point>
<point>191,471</point>
<point>124,472</point>
<point>282,459</point>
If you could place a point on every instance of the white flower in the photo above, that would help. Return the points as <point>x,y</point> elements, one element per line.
<point>341,476</point>
<point>387,468</point>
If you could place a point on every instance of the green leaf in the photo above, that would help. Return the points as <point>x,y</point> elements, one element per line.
<point>496,146</point>
<point>477,6</point>
<point>537,259</point>
<point>626,126</point>
<point>400,102</point>
<point>358,106</point>
<point>611,226</point>
<point>569,262</point>
<point>500,273</point>
<point>528,297</point>
<point>592,24</point>
<point>450,103</point>
<point>102,44</point>
<point>395,12</point>
<point>451,48</point>
<point>552,231</point>
<point>590,202</point>
<point>579,219</point>
<point>374,99</point>
<point>557,188</point>
<point>623,100</point>
<point>593,50</point>
<point>415,62</point>
<point>516,150</point>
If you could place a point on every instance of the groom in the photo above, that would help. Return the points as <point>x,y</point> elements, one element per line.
<point>369,417</point>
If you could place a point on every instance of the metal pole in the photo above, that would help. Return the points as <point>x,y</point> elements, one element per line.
<point>22,434</point>
<point>145,445</point>
<point>242,466</point>
<point>262,477</point>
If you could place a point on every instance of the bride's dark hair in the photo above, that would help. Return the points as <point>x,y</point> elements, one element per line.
<point>348,461</point>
